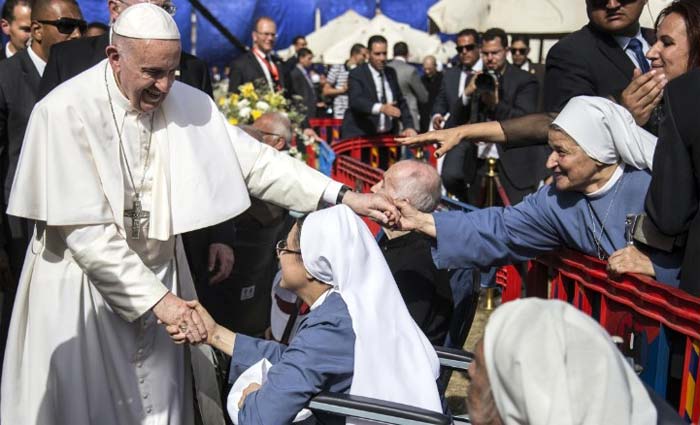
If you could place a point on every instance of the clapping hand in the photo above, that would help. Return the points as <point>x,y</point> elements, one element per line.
<point>180,333</point>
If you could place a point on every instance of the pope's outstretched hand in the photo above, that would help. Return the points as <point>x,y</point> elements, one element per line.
<point>378,207</point>
<point>174,311</point>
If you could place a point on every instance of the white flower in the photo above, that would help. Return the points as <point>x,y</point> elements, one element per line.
<point>309,141</point>
<point>243,103</point>
<point>293,151</point>
<point>244,113</point>
<point>263,106</point>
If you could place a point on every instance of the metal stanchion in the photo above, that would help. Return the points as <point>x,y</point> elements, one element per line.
<point>491,182</point>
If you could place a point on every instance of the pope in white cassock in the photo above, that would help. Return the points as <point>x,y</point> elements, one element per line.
<point>116,163</point>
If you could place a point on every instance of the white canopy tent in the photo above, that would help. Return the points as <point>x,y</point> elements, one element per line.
<point>521,16</point>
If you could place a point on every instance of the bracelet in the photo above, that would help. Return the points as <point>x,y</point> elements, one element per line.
<point>341,194</point>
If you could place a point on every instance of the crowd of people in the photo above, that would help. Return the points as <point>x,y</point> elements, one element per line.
<point>151,250</point>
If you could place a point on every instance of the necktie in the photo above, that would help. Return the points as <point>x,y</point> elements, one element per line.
<point>636,46</point>
<point>381,80</point>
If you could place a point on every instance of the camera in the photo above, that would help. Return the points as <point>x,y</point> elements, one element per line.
<point>486,82</point>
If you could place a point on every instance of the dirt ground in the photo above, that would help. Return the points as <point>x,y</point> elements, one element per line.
<point>457,388</point>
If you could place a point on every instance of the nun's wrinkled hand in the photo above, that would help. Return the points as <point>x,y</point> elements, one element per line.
<point>376,206</point>
<point>630,260</point>
<point>412,219</point>
<point>246,392</point>
<point>445,139</point>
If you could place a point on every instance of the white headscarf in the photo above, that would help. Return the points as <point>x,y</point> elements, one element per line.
<point>607,132</point>
<point>549,363</point>
<point>394,361</point>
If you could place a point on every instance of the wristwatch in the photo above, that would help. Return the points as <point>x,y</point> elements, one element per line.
<point>341,194</point>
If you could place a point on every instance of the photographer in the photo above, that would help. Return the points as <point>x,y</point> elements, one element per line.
<point>499,92</point>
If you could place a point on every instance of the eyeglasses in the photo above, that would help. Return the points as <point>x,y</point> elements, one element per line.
<point>267,34</point>
<point>167,6</point>
<point>282,247</point>
<point>466,47</point>
<point>67,25</point>
<point>520,51</point>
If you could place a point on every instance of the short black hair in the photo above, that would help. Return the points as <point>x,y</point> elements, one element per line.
<point>375,39</point>
<point>494,33</point>
<point>470,32</point>
<point>41,7</point>
<point>297,38</point>
<point>401,49</point>
<point>520,37</point>
<point>303,52</point>
<point>356,49</point>
<point>8,9</point>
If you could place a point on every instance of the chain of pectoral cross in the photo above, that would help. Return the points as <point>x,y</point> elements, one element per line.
<point>136,213</point>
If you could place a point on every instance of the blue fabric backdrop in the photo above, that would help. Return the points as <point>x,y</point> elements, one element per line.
<point>293,17</point>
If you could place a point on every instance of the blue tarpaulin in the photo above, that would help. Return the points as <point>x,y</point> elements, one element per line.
<point>293,17</point>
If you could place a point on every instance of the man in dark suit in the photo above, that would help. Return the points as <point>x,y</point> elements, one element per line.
<point>600,58</point>
<point>514,94</point>
<point>16,25</point>
<point>299,42</point>
<point>300,81</point>
<point>209,252</point>
<point>451,99</point>
<point>432,80</point>
<point>519,51</point>
<point>258,65</point>
<point>51,22</point>
<point>376,103</point>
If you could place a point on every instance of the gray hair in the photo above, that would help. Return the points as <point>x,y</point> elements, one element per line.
<point>275,122</point>
<point>418,183</point>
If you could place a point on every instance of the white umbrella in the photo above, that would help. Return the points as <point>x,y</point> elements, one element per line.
<point>320,40</point>
<point>521,16</point>
<point>420,44</point>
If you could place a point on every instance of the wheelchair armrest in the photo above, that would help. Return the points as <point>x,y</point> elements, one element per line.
<point>372,409</point>
<point>453,358</point>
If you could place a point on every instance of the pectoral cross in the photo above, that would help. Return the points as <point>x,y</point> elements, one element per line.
<point>136,214</point>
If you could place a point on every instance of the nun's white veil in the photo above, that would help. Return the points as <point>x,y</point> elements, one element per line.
<point>394,361</point>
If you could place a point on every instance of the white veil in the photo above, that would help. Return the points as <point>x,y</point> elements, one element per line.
<point>394,361</point>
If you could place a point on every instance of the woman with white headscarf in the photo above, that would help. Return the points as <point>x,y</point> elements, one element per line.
<point>358,337</point>
<point>542,362</point>
<point>600,163</point>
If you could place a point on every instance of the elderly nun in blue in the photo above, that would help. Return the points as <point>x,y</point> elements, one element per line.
<point>600,164</point>
<point>358,338</point>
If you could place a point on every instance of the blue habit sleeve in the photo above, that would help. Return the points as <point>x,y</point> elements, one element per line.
<point>496,236</point>
<point>320,358</point>
<point>248,350</point>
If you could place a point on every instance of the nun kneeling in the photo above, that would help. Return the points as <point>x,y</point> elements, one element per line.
<point>358,337</point>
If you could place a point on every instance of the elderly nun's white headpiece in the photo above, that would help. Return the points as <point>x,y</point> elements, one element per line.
<point>607,132</point>
<point>146,21</point>
<point>394,360</point>
<point>549,363</point>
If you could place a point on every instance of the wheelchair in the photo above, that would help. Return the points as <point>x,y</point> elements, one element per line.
<point>384,412</point>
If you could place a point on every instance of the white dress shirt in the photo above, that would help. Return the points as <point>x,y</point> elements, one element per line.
<point>377,77</point>
<point>38,62</point>
<point>623,42</point>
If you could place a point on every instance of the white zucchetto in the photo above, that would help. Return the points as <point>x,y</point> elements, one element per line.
<point>146,21</point>
<point>607,132</point>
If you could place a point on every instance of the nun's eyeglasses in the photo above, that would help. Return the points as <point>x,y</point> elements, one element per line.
<point>282,247</point>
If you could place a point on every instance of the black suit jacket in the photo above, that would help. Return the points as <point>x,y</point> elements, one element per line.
<point>519,91</point>
<point>246,69</point>
<point>587,62</point>
<point>674,191</point>
<point>448,100</point>
<point>19,85</point>
<point>362,95</point>
<point>72,57</point>
<point>300,86</point>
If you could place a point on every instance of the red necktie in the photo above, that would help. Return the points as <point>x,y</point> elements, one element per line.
<point>271,67</point>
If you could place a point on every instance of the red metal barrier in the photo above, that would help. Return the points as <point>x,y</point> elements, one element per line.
<point>646,314</point>
<point>327,128</point>
<point>359,176</point>
<point>380,151</point>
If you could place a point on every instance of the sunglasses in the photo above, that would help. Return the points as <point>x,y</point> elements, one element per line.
<point>67,25</point>
<point>282,247</point>
<point>465,48</point>
<point>519,51</point>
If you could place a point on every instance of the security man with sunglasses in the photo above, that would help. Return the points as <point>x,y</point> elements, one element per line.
<point>52,21</point>
<point>452,100</point>
<point>600,58</point>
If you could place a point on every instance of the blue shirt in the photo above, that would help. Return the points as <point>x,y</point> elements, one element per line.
<point>320,358</point>
<point>546,220</point>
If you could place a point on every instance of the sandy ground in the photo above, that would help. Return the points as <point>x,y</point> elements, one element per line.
<point>457,388</point>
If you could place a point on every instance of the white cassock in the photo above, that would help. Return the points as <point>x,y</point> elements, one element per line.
<point>84,347</point>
